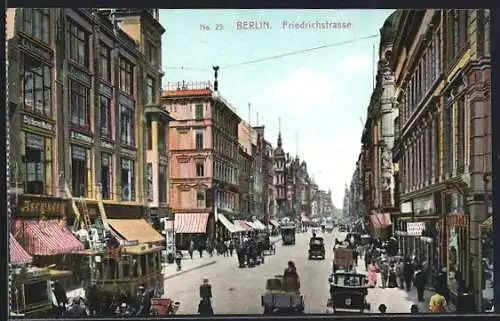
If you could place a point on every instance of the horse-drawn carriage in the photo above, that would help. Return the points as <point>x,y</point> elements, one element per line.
<point>264,242</point>
<point>250,253</point>
<point>283,296</point>
<point>348,293</point>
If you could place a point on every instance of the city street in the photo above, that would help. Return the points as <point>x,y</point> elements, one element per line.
<point>238,290</point>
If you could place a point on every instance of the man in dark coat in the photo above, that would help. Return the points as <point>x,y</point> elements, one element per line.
<point>420,283</point>
<point>465,302</point>
<point>408,271</point>
<point>143,302</point>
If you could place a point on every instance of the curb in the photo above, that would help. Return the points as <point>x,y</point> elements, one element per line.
<point>189,270</point>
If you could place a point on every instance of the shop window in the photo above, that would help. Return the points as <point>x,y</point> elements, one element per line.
<point>126,80</point>
<point>80,105</point>
<point>105,116</point>
<point>127,126</point>
<point>150,90</point>
<point>200,198</point>
<point>127,180</point>
<point>36,86</point>
<point>105,62</point>
<point>78,40</point>
<point>37,163</point>
<point>79,170</point>
<point>162,184</point>
<point>106,175</point>
<point>162,137</point>
<point>200,169</point>
<point>36,23</point>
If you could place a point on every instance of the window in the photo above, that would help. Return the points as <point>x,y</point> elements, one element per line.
<point>36,23</point>
<point>151,53</point>
<point>127,126</point>
<point>105,116</point>
<point>437,171</point>
<point>106,175</point>
<point>448,140</point>
<point>200,170</point>
<point>126,82</point>
<point>199,112</point>
<point>162,137</point>
<point>78,40</point>
<point>37,163</point>
<point>460,136</point>
<point>149,176</point>
<point>199,139</point>
<point>150,91</point>
<point>36,86</point>
<point>162,184</point>
<point>79,171</point>
<point>127,180</point>
<point>200,198</point>
<point>80,108</point>
<point>105,62</point>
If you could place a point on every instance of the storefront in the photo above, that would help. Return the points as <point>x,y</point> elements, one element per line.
<point>190,226</point>
<point>486,279</point>
<point>457,251</point>
<point>380,225</point>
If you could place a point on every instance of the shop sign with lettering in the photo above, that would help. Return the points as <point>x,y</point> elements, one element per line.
<point>29,45</point>
<point>458,220</point>
<point>107,145</point>
<point>105,90</point>
<point>415,228</point>
<point>42,124</point>
<point>80,75</point>
<point>81,137</point>
<point>42,207</point>
<point>124,100</point>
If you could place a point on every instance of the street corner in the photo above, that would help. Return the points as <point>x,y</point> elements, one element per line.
<point>171,271</point>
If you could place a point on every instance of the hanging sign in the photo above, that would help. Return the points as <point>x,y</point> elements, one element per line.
<point>415,228</point>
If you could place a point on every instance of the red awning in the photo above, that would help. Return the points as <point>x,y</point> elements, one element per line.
<point>375,220</point>
<point>18,255</point>
<point>385,219</point>
<point>243,224</point>
<point>48,237</point>
<point>191,223</point>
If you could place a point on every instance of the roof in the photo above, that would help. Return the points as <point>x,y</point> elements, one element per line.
<point>187,93</point>
<point>136,230</point>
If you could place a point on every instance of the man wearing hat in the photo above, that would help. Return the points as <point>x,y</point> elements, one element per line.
<point>143,301</point>
<point>205,306</point>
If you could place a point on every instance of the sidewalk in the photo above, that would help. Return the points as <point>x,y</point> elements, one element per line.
<point>407,298</point>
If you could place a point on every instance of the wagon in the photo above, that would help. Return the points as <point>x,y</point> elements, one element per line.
<point>348,293</point>
<point>283,296</point>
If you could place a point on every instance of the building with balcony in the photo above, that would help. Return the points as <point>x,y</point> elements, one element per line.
<point>80,87</point>
<point>245,170</point>
<point>204,161</point>
<point>280,180</point>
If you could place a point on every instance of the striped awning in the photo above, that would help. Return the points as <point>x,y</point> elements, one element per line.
<point>257,225</point>
<point>375,221</point>
<point>135,230</point>
<point>18,255</point>
<point>49,237</point>
<point>243,224</point>
<point>488,223</point>
<point>191,223</point>
<point>385,219</point>
<point>274,222</point>
<point>228,225</point>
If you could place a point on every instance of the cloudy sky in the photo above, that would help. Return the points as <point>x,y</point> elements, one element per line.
<point>321,95</point>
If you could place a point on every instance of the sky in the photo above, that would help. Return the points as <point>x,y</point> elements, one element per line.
<point>321,96</point>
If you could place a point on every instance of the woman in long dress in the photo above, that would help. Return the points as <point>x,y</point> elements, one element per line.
<point>372,274</point>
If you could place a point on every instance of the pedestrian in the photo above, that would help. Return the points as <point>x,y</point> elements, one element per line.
<point>200,250</point>
<point>372,274</point>
<point>382,309</point>
<point>399,274</point>
<point>442,283</point>
<point>419,283</point>
<point>178,260</point>
<point>408,274</point>
<point>384,272</point>
<point>392,283</point>
<point>231,247</point>
<point>191,249</point>
<point>355,256</point>
<point>205,305</point>
<point>414,309</point>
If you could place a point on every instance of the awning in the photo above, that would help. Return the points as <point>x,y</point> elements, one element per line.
<point>243,225</point>
<point>375,221</point>
<point>274,222</point>
<point>195,223</point>
<point>258,225</point>
<point>228,225</point>
<point>305,218</point>
<point>488,223</point>
<point>18,255</point>
<point>48,237</point>
<point>385,219</point>
<point>135,230</point>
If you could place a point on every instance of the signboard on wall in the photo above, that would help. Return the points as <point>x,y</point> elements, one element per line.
<point>415,228</point>
<point>406,208</point>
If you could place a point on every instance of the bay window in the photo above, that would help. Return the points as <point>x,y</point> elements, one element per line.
<point>79,170</point>
<point>80,105</point>
<point>36,86</point>
<point>126,80</point>
<point>127,179</point>
<point>37,163</point>
<point>106,175</point>
<point>36,23</point>
<point>127,125</point>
